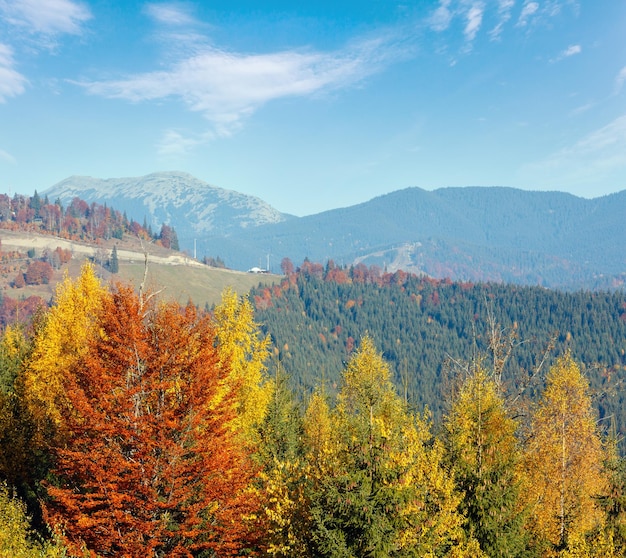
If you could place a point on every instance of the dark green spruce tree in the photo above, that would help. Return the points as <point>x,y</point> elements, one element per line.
<point>114,264</point>
<point>484,457</point>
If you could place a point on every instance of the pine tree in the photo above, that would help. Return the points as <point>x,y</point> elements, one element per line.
<point>282,479</point>
<point>378,487</point>
<point>35,203</point>
<point>114,264</point>
<point>485,459</point>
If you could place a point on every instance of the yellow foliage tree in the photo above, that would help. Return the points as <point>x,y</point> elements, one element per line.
<point>485,459</point>
<point>13,349</point>
<point>60,341</point>
<point>378,486</point>
<point>17,539</point>
<point>564,463</point>
<point>243,350</point>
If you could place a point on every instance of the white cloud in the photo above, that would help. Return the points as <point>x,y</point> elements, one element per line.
<point>11,81</point>
<point>7,157</point>
<point>504,15</point>
<point>47,17</point>
<point>170,14</point>
<point>474,20</point>
<point>595,156</point>
<point>174,143</point>
<point>227,87</point>
<point>442,16</point>
<point>529,9</point>
<point>581,109</point>
<point>619,80</point>
<point>569,51</point>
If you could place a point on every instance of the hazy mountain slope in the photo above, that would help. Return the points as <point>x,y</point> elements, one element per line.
<point>502,234</point>
<point>506,234</point>
<point>193,207</point>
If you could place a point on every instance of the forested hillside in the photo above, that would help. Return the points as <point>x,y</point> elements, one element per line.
<point>425,327</point>
<point>508,235</point>
<point>133,426</point>
<point>78,221</point>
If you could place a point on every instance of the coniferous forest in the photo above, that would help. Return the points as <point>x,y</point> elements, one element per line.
<point>427,329</point>
<point>344,412</point>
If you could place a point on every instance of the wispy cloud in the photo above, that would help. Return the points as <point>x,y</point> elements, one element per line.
<point>593,157</point>
<point>171,14</point>
<point>41,22</point>
<point>7,157</point>
<point>46,17</point>
<point>442,16</point>
<point>474,19</point>
<point>471,11</point>
<point>504,15</point>
<point>11,81</point>
<point>619,80</point>
<point>227,87</point>
<point>569,51</point>
<point>529,9</point>
<point>474,13</point>
<point>581,109</point>
<point>174,144</point>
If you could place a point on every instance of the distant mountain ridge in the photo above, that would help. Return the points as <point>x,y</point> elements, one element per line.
<point>192,206</point>
<point>552,239</point>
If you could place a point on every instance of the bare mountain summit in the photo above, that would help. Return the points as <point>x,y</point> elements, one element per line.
<point>193,207</point>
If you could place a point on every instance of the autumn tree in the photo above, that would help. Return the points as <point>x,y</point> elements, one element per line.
<point>168,237</point>
<point>286,266</point>
<point>484,456</point>
<point>60,340</point>
<point>38,273</point>
<point>149,465</point>
<point>378,487</point>
<point>243,352</point>
<point>17,538</point>
<point>564,462</point>
<point>283,476</point>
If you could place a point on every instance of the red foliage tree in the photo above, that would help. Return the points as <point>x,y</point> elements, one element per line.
<point>14,311</point>
<point>150,466</point>
<point>287,267</point>
<point>38,273</point>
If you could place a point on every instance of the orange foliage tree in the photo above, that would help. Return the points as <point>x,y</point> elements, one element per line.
<point>149,466</point>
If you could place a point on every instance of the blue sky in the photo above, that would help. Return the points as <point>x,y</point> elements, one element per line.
<point>316,105</point>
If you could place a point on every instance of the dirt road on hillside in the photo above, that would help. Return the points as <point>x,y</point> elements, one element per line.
<point>26,241</point>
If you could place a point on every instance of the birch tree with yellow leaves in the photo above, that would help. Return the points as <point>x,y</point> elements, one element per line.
<point>243,351</point>
<point>564,463</point>
<point>60,341</point>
